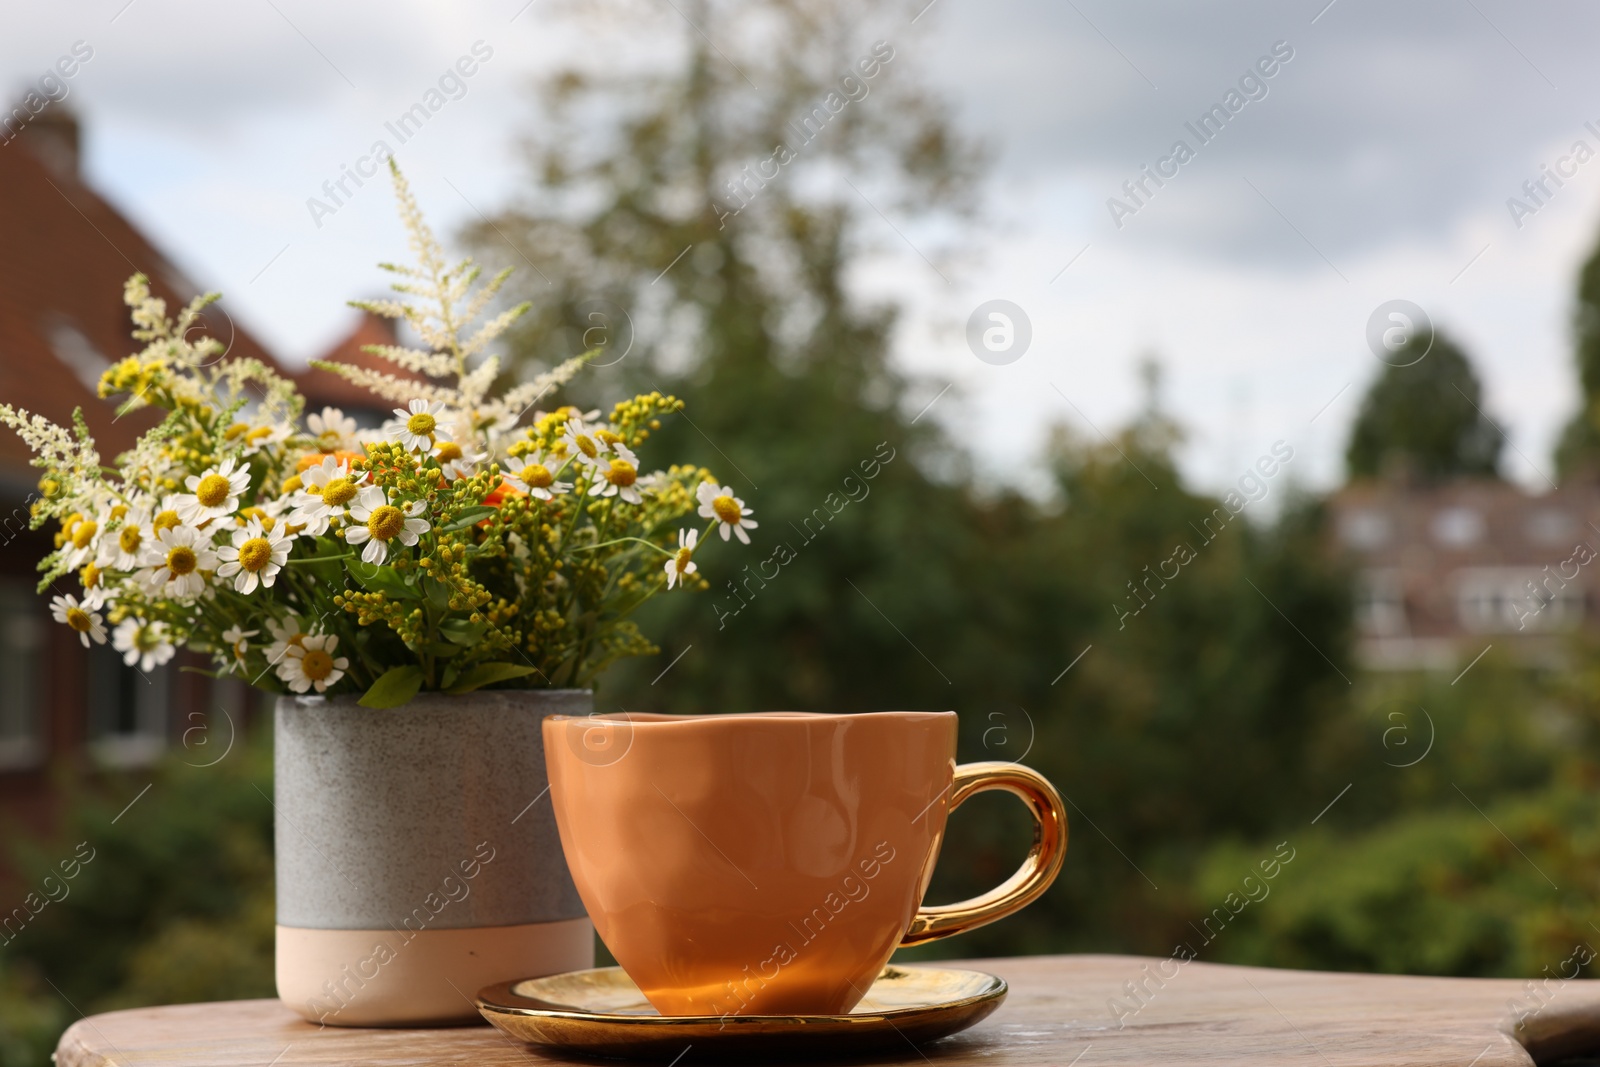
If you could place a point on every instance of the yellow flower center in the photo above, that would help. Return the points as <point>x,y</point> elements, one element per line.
<point>727,509</point>
<point>240,647</point>
<point>89,576</point>
<point>291,483</point>
<point>233,432</point>
<point>49,487</point>
<point>682,560</point>
<point>386,522</point>
<point>119,512</point>
<point>182,560</point>
<point>84,533</point>
<point>586,445</point>
<point>449,452</point>
<point>607,436</point>
<point>79,620</point>
<point>258,433</point>
<point>316,664</point>
<point>537,476</point>
<point>166,520</point>
<point>422,424</point>
<point>622,473</point>
<point>129,539</point>
<point>338,492</point>
<point>255,554</point>
<point>212,490</point>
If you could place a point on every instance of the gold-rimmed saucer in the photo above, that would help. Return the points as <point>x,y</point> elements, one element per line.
<point>601,1012</point>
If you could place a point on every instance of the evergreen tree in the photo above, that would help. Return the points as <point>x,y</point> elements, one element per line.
<point>1578,451</point>
<point>1425,422</point>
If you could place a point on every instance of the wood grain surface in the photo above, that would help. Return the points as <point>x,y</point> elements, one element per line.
<point>1062,1010</point>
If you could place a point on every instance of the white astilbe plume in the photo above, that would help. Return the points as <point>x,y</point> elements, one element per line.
<point>446,300</point>
<point>55,448</point>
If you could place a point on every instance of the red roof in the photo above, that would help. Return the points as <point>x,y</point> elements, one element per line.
<point>64,256</point>
<point>322,387</point>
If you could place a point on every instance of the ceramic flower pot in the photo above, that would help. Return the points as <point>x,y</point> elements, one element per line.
<point>417,855</point>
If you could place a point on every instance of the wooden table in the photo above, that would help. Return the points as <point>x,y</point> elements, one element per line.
<point>1060,1012</point>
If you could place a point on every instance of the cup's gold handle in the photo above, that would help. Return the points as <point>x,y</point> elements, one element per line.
<point>1035,874</point>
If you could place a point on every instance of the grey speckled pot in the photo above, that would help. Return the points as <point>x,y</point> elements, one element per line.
<point>414,844</point>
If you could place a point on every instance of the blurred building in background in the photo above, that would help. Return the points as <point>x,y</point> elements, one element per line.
<point>64,256</point>
<point>1443,572</point>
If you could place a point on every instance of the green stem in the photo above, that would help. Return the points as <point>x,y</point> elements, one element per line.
<point>624,540</point>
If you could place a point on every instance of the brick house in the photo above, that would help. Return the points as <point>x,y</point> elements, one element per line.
<point>64,255</point>
<point>1444,572</point>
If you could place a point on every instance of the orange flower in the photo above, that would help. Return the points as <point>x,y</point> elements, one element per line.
<point>501,493</point>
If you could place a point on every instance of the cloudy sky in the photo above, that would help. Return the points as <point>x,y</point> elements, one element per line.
<point>1374,164</point>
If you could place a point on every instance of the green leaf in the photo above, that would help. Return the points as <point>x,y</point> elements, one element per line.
<point>468,517</point>
<point>396,686</point>
<point>380,579</point>
<point>463,633</point>
<point>442,650</point>
<point>438,593</point>
<point>487,674</point>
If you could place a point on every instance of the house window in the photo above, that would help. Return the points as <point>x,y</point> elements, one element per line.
<point>22,640</point>
<point>1458,527</point>
<point>128,710</point>
<point>1516,600</point>
<point>1380,604</point>
<point>1365,529</point>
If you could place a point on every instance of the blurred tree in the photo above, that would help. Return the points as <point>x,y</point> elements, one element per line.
<point>1425,422</point>
<point>175,903</point>
<point>1502,891</point>
<point>1578,451</point>
<point>884,574</point>
<point>32,1016</point>
<point>709,214</point>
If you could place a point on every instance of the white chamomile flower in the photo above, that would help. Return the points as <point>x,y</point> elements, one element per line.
<point>174,560</point>
<point>419,427</point>
<point>536,478</point>
<point>718,502</point>
<point>255,557</point>
<point>682,562</point>
<point>122,549</point>
<point>583,444</point>
<point>383,522</point>
<point>454,463</point>
<point>237,640</point>
<point>83,541</point>
<point>143,643</point>
<point>617,477</point>
<point>286,634</point>
<point>79,617</point>
<point>97,591</point>
<point>258,438</point>
<point>212,495</point>
<point>325,494</point>
<point>312,663</point>
<point>333,430</point>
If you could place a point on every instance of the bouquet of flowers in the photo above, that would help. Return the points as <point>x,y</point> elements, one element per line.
<point>470,541</point>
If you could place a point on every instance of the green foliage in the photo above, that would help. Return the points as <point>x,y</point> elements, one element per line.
<point>883,577</point>
<point>1425,422</point>
<point>176,903</point>
<point>1508,891</point>
<point>32,1016</point>
<point>1578,451</point>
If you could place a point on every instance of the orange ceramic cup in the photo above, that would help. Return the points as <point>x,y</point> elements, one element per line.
<point>770,864</point>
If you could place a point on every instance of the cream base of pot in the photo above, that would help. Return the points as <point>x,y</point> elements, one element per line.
<point>417,978</point>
